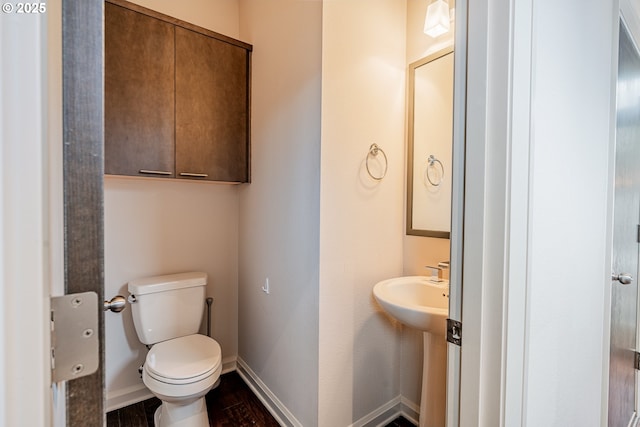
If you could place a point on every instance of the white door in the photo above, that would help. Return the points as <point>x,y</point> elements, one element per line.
<point>626,233</point>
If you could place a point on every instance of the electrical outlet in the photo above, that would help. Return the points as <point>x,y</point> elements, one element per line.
<point>265,288</point>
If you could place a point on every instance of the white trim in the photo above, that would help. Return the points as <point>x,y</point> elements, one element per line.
<point>229,364</point>
<point>380,416</point>
<point>606,300</point>
<point>398,406</point>
<point>56,203</point>
<point>630,11</point>
<point>383,415</point>
<point>24,320</point>
<point>457,210</point>
<point>409,410</point>
<point>474,224</point>
<point>266,396</point>
<point>127,396</point>
<point>518,213</point>
<point>453,385</point>
<point>59,404</point>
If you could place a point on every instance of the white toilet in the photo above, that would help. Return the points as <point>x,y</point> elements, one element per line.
<point>182,366</point>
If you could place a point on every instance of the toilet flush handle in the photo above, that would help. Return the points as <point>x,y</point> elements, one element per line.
<point>116,304</point>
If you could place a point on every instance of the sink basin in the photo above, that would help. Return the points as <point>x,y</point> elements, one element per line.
<point>416,301</point>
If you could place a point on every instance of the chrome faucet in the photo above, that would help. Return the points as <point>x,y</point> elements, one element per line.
<point>437,273</point>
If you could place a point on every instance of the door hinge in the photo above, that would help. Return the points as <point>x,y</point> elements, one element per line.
<point>454,332</point>
<point>74,336</point>
<point>636,360</point>
<point>638,233</point>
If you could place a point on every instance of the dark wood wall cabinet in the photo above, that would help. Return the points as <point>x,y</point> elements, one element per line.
<point>177,98</point>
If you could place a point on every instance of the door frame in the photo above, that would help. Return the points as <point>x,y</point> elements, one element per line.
<point>83,159</point>
<point>25,368</point>
<point>457,209</point>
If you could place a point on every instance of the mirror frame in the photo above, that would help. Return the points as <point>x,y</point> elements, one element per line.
<point>410,137</point>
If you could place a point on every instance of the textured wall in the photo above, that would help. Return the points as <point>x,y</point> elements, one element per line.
<point>279,211</point>
<point>363,99</point>
<point>216,15</point>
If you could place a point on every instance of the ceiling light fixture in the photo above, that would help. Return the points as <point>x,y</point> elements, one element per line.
<point>437,21</point>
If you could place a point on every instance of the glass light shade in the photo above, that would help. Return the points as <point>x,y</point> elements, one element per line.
<point>436,22</point>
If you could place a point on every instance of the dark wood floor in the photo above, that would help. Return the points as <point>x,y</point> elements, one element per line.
<point>401,422</point>
<point>231,404</point>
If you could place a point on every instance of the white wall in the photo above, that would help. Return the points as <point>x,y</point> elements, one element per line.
<point>279,210</point>
<point>363,101</point>
<point>220,16</point>
<point>166,226</point>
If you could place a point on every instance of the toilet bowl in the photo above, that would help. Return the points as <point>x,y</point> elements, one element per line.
<point>180,372</point>
<point>182,365</point>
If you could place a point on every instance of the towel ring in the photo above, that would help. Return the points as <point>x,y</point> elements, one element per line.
<point>431,164</point>
<point>373,151</point>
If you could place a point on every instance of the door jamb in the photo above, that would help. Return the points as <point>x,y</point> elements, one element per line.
<point>457,209</point>
<point>83,139</point>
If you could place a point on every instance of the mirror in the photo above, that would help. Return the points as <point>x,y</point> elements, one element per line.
<point>430,139</point>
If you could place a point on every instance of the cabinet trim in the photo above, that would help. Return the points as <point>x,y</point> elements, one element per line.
<point>180,23</point>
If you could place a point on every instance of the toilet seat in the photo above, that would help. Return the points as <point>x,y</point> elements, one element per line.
<point>184,360</point>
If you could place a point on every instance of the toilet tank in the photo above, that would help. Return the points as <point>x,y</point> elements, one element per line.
<point>166,307</point>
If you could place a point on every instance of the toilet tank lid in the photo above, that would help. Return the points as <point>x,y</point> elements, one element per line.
<point>167,282</point>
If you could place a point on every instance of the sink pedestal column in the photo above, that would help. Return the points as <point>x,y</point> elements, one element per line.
<point>433,398</point>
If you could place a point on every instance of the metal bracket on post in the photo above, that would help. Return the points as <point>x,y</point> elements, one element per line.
<point>636,360</point>
<point>454,332</point>
<point>74,336</point>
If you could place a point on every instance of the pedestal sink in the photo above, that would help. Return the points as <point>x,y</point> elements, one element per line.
<point>422,303</point>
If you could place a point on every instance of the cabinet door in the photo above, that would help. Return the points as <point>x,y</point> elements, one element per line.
<point>212,108</point>
<point>139,94</point>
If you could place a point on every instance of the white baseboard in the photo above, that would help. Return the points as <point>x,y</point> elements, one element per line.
<point>120,398</point>
<point>266,396</point>
<point>398,406</point>
<point>383,415</point>
<point>409,410</point>
<point>117,399</point>
<point>388,412</point>
<point>229,364</point>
